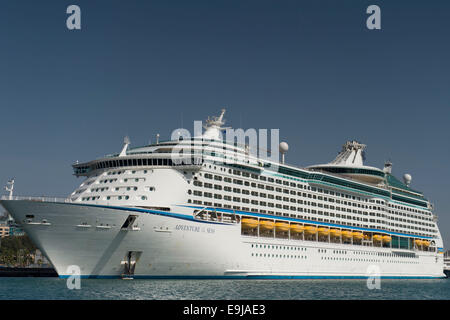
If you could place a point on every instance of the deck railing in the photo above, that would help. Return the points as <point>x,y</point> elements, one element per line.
<point>40,199</point>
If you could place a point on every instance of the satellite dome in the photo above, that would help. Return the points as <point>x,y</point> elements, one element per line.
<point>284,147</point>
<point>407,178</point>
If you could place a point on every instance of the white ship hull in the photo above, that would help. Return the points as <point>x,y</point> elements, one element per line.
<point>173,244</point>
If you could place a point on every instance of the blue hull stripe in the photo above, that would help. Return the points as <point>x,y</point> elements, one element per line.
<point>157,212</point>
<point>191,218</point>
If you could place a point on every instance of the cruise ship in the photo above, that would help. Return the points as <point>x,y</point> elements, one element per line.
<point>218,211</point>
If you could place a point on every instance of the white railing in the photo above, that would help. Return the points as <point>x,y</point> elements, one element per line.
<point>40,199</point>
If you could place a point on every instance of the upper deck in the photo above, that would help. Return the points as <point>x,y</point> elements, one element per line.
<point>346,171</point>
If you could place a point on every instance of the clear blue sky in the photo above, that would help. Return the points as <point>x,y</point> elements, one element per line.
<point>310,68</point>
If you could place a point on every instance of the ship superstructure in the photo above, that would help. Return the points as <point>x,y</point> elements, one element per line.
<point>205,207</point>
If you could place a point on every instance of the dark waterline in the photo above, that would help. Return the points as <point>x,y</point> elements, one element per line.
<point>55,289</point>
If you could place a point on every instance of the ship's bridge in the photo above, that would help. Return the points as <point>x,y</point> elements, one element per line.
<point>186,153</point>
<point>350,163</point>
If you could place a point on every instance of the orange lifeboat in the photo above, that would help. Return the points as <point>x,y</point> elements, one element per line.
<point>249,223</point>
<point>311,230</point>
<point>377,237</point>
<point>357,235</point>
<point>282,226</point>
<point>335,232</point>
<point>266,224</point>
<point>347,234</point>
<point>297,228</point>
<point>323,231</point>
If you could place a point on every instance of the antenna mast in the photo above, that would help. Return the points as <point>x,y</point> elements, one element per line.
<point>126,143</point>
<point>10,188</point>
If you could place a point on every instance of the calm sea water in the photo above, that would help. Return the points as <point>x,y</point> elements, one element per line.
<point>55,288</point>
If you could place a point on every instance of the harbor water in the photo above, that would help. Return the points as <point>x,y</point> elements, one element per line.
<point>114,289</point>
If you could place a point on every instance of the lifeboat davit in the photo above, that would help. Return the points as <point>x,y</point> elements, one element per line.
<point>249,223</point>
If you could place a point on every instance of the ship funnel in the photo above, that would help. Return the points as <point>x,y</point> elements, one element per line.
<point>352,154</point>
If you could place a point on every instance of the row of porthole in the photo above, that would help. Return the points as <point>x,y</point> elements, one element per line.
<point>118,189</point>
<point>128,188</point>
<point>348,259</point>
<point>364,253</point>
<point>409,262</point>
<point>368,260</point>
<point>268,255</point>
<point>109,198</point>
<point>277,247</point>
<point>115,172</point>
<point>126,197</point>
<point>120,172</point>
<point>387,254</point>
<point>136,179</point>
<point>106,181</point>
<point>90,198</point>
<point>278,255</point>
<point>115,189</point>
<point>124,180</point>
<point>319,250</point>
